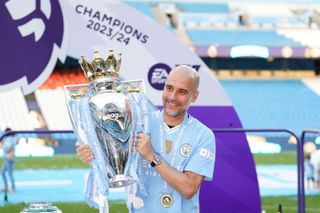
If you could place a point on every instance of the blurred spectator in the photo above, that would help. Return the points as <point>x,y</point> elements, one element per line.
<point>310,172</point>
<point>315,159</point>
<point>8,145</point>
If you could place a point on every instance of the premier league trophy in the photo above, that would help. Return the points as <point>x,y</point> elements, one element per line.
<point>104,115</point>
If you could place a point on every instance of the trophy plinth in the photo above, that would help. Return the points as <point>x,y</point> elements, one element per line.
<point>41,207</point>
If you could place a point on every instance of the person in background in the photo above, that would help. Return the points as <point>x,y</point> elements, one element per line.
<point>318,176</point>
<point>315,160</point>
<point>8,145</point>
<point>310,172</point>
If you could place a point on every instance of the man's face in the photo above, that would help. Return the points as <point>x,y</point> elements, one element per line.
<point>178,94</point>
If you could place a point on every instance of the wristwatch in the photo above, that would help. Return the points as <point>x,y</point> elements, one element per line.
<point>156,160</point>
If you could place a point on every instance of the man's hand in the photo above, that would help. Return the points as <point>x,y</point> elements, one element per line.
<point>144,147</point>
<point>84,153</point>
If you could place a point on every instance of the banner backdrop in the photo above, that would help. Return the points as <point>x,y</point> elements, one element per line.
<point>34,34</point>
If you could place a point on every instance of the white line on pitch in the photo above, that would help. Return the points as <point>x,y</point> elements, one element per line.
<point>44,183</point>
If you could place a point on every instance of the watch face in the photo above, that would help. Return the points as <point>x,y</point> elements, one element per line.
<point>156,161</point>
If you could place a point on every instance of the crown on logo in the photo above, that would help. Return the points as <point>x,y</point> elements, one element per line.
<point>100,67</point>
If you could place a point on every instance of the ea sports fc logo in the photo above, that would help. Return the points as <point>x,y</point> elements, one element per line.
<point>31,41</point>
<point>158,74</point>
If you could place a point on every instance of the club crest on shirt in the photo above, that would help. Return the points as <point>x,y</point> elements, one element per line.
<point>168,146</point>
<point>185,150</point>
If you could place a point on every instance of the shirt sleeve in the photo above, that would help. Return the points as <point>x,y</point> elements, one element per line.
<point>203,158</point>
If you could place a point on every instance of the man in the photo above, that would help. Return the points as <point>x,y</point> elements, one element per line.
<point>315,160</point>
<point>178,154</point>
<point>8,146</point>
<point>309,173</point>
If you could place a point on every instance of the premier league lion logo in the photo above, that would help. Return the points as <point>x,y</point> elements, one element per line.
<point>31,39</point>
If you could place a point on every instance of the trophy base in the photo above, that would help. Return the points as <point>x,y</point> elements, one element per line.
<point>120,181</point>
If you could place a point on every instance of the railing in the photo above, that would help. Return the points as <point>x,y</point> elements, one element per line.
<point>300,159</point>
<point>5,134</point>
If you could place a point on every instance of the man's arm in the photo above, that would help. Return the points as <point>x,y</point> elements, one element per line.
<point>187,183</point>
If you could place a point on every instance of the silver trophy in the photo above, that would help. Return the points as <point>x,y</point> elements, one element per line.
<point>106,100</point>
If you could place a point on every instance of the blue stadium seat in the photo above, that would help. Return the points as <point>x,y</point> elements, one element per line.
<point>143,7</point>
<point>274,104</point>
<point>290,21</point>
<point>239,37</point>
<point>208,18</point>
<point>204,7</point>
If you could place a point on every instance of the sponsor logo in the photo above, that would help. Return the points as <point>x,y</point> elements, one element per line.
<point>157,75</point>
<point>159,72</point>
<point>207,154</point>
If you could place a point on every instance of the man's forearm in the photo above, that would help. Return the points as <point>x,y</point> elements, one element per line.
<point>186,183</point>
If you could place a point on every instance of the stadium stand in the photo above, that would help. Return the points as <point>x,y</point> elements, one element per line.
<point>144,7</point>
<point>313,84</point>
<point>207,20</point>
<point>277,104</point>
<point>267,9</point>
<point>53,107</point>
<point>239,37</point>
<point>14,111</point>
<point>230,23</point>
<point>51,99</point>
<point>292,23</point>
<point>223,23</point>
<point>306,37</point>
<point>60,78</point>
<point>279,21</point>
<point>197,7</point>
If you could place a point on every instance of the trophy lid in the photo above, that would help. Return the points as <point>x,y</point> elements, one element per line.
<point>100,68</point>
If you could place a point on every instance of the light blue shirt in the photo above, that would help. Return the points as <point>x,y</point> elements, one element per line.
<point>189,146</point>
<point>309,169</point>
<point>9,143</point>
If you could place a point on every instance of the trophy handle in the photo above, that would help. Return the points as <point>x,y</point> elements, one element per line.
<point>132,86</point>
<point>73,96</point>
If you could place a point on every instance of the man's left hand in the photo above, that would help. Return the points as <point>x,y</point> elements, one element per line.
<point>144,147</point>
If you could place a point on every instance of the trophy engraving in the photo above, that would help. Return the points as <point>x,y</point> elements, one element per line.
<point>110,113</point>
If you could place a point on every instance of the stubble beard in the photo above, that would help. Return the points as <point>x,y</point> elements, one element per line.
<point>173,113</point>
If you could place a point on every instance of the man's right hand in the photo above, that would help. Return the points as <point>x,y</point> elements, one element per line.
<point>84,153</point>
